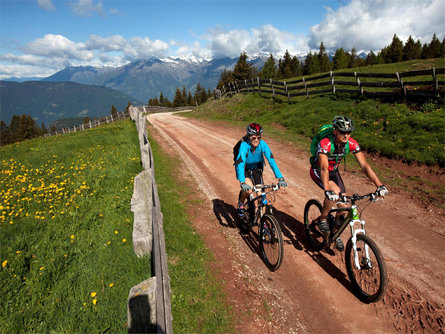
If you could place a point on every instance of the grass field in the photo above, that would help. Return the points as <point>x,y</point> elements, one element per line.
<point>66,227</point>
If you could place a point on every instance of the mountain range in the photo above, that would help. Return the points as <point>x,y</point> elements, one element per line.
<point>49,101</point>
<point>145,79</point>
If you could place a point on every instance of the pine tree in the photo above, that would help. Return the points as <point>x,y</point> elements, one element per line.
<point>296,67</point>
<point>161,99</point>
<point>113,111</point>
<point>371,58</point>
<point>311,64</point>
<point>323,59</point>
<point>340,59</point>
<point>353,59</point>
<point>442,48</point>
<point>395,51</point>
<point>284,66</point>
<point>243,70</point>
<point>190,101</point>
<point>198,94</point>
<point>269,69</point>
<point>409,50</point>
<point>5,135</point>
<point>434,48</point>
<point>43,129</point>
<point>179,99</point>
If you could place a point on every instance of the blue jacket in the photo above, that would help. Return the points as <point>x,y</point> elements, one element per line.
<point>247,159</point>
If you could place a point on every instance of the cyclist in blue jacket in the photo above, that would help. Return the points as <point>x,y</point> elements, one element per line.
<point>249,164</point>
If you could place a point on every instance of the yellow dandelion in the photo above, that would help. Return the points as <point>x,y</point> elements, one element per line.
<point>41,268</point>
<point>94,301</point>
<point>4,263</point>
<point>111,285</point>
<point>65,255</point>
<point>93,294</point>
<point>116,232</point>
<point>72,236</point>
<point>18,252</point>
<point>124,240</point>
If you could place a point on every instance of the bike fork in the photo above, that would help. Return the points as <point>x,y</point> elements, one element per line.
<point>354,234</point>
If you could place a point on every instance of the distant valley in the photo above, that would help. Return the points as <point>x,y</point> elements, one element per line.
<point>49,101</point>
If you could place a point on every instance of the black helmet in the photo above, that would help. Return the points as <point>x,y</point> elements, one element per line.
<point>254,129</point>
<point>342,123</point>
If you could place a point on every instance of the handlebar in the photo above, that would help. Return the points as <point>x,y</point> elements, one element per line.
<point>373,197</point>
<point>262,187</point>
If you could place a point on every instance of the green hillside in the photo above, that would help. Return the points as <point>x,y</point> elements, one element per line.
<point>399,129</point>
<point>48,101</point>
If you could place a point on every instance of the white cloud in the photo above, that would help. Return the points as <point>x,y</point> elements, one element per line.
<point>58,46</point>
<point>107,44</point>
<point>264,40</point>
<point>370,25</point>
<point>143,48</point>
<point>87,8</point>
<point>46,4</point>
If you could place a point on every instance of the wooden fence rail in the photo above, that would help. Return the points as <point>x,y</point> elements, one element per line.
<point>368,84</point>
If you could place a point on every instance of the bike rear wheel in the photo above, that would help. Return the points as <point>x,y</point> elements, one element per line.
<point>271,242</point>
<point>371,279</point>
<point>312,212</point>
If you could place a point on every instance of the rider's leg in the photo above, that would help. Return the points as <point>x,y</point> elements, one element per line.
<point>327,204</point>
<point>245,194</point>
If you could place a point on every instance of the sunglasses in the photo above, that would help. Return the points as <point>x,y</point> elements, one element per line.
<point>255,137</point>
<point>345,132</point>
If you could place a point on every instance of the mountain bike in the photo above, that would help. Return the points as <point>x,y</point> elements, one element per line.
<point>364,261</point>
<point>269,231</point>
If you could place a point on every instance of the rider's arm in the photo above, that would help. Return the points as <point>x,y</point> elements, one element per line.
<point>324,170</point>
<point>240,163</point>
<point>270,158</point>
<point>366,168</point>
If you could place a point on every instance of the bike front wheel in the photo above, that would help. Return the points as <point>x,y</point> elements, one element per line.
<point>371,279</point>
<point>271,242</point>
<point>312,212</point>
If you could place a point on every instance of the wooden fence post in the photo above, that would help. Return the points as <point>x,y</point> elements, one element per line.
<point>358,83</point>
<point>399,79</point>
<point>245,82</point>
<point>305,88</point>
<point>273,90</point>
<point>259,87</point>
<point>436,82</point>
<point>287,92</point>
<point>332,83</point>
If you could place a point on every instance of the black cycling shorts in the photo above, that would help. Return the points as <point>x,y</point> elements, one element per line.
<point>255,175</point>
<point>333,176</point>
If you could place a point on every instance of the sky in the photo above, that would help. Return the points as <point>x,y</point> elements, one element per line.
<point>40,37</point>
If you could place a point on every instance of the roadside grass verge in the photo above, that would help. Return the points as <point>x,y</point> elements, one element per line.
<point>198,304</point>
<point>66,231</point>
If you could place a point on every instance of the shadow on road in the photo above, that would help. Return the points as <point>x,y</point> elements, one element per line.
<point>293,230</point>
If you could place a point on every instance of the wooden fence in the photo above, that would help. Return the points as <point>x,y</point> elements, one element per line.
<point>92,124</point>
<point>149,303</point>
<point>110,119</point>
<point>396,85</point>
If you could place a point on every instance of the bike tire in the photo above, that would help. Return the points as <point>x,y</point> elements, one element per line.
<point>312,211</point>
<point>369,283</point>
<point>271,242</point>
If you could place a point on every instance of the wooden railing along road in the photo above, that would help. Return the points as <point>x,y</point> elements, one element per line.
<point>397,85</point>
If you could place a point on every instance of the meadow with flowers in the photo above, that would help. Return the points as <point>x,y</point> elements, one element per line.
<point>65,228</point>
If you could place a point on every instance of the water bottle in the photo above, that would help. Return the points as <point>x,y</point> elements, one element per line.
<point>263,198</point>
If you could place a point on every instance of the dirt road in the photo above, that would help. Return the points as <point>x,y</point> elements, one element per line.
<point>310,293</point>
